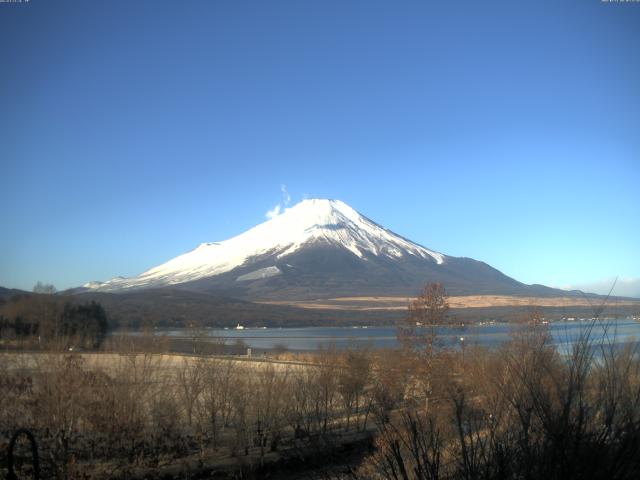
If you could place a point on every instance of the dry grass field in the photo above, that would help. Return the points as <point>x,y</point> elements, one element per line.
<point>161,415</point>
<point>470,301</point>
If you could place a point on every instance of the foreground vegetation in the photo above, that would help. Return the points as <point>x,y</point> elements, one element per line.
<point>522,411</point>
<point>119,415</point>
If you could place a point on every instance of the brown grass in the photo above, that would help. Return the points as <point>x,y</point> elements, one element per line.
<point>469,301</point>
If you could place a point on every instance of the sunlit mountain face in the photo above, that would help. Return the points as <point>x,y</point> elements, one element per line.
<point>320,248</point>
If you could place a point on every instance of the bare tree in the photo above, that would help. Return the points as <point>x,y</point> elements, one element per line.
<point>45,288</point>
<point>269,405</point>
<point>427,312</point>
<point>216,406</point>
<point>241,419</point>
<point>354,376</point>
<point>390,385</point>
<point>418,333</point>
<point>409,449</point>
<point>300,408</point>
<point>58,408</point>
<point>191,383</point>
<point>327,385</point>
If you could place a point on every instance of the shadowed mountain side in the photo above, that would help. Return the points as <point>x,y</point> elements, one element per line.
<point>327,271</point>
<point>7,293</point>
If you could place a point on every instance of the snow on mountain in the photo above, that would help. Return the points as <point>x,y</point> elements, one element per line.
<point>309,222</point>
<point>260,273</point>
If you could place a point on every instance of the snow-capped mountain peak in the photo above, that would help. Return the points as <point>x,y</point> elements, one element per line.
<point>310,222</point>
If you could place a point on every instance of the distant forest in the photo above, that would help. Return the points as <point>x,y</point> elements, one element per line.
<point>46,320</point>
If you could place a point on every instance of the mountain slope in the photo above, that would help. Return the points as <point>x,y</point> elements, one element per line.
<point>319,248</point>
<point>7,293</point>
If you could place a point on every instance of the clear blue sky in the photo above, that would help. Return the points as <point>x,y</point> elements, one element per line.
<point>131,131</point>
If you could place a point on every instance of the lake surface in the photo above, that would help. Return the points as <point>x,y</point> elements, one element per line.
<point>564,333</point>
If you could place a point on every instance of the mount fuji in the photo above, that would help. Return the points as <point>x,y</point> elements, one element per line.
<point>319,249</point>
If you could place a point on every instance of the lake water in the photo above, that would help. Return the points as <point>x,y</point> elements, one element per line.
<point>619,331</point>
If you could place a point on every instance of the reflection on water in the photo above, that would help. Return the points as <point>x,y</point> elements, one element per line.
<point>489,335</point>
